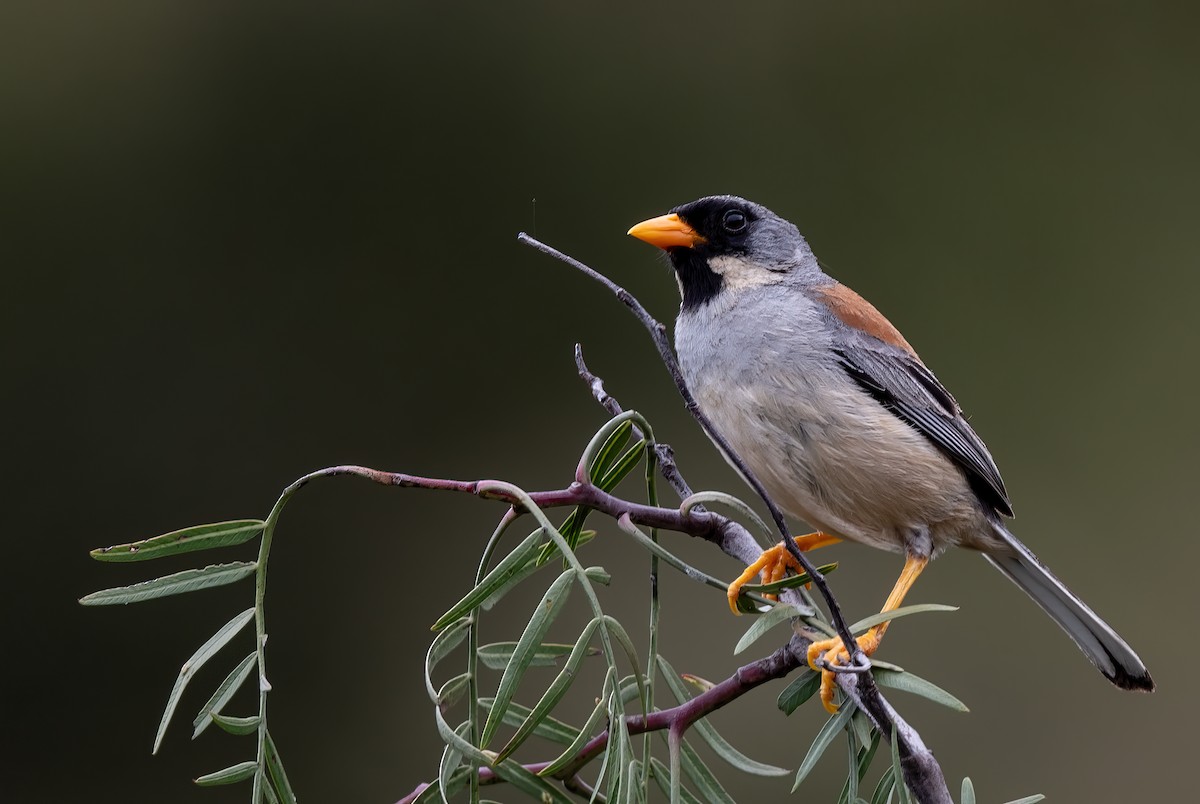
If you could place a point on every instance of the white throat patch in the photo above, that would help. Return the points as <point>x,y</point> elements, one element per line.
<point>739,274</point>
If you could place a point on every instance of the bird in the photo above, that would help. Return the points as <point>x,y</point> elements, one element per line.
<point>832,410</point>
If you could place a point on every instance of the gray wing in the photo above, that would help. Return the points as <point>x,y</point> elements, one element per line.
<point>901,383</point>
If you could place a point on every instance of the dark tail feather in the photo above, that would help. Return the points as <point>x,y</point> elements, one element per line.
<point>1111,655</point>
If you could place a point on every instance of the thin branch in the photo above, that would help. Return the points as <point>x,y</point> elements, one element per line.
<point>735,541</point>
<point>676,719</point>
<point>579,787</point>
<point>921,771</point>
<point>666,456</point>
<point>723,532</point>
<point>658,333</point>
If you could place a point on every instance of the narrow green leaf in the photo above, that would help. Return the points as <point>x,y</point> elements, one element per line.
<point>554,693</point>
<point>883,790</point>
<point>658,551</point>
<point>442,645</point>
<point>618,632</point>
<point>236,725</point>
<point>790,582</point>
<point>903,611</point>
<point>206,651</point>
<point>968,791</point>
<point>432,794</point>
<point>452,691</point>
<point>500,576</point>
<point>572,526</point>
<point>176,584</point>
<point>606,479</point>
<point>548,609</point>
<point>578,739</point>
<point>897,771</point>
<point>862,761</point>
<point>635,793</point>
<point>531,566</point>
<point>711,736</point>
<point>1036,797</point>
<point>824,737</point>
<point>234,773</point>
<point>571,530</point>
<point>803,687</point>
<point>548,728</point>
<point>599,575</point>
<point>662,776</point>
<point>619,750</point>
<point>907,682</point>
<point>768,536</point>
<point>528,782</point>
<point>630,689</point>
<point>279,778</point>
<point>623,466</point>
<point>200,537</point>
<point>497,655</point>
<point>262,791</point>
<point>860,724</point>
<point>850,787</point>
<point>611,448</point>
<point>583,735</point>
<point>765,623</point>
<point>702,777</point>
<point>232,683</point>
<point>451,760</point>
<point>450,737</point>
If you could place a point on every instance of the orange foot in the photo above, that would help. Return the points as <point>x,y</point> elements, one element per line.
<point>774,563</point>
<point>834,652</point>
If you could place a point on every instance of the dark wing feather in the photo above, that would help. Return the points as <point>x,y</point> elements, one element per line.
<point>901,383</point>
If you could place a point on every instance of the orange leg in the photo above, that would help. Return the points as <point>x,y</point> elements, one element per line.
<point>773,564</point>
<point>834,652</point>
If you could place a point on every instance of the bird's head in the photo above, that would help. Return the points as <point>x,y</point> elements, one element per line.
<point>722,243</point>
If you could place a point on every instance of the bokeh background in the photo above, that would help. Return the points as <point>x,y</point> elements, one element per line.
<point>244,241</point>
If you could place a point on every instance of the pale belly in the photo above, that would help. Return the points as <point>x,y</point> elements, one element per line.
<point>826,451</point>
<point>830,455</point>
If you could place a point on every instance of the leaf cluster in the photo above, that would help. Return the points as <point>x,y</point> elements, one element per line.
<point>640,694</point>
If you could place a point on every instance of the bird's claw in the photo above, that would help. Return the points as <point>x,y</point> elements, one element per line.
<point>774,564</point>
<point>830,657</point>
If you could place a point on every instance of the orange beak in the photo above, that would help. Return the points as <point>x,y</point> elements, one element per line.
<point>667,231</point>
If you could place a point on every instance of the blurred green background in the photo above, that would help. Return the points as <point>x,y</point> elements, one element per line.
<point>244,241</point>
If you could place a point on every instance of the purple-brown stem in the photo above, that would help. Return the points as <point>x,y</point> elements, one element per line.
<point>922,773</point>
<point>676,719</point>
<point>726,534</point>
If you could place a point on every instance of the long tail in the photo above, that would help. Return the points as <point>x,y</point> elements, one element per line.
<point>1111,655</point>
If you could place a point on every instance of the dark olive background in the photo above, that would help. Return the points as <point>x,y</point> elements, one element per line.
<point>244,242</point>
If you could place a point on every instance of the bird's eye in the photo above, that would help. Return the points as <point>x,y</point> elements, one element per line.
<point>734,221</point>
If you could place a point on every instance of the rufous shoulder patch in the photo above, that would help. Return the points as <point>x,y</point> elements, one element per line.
<point>855,311</point>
